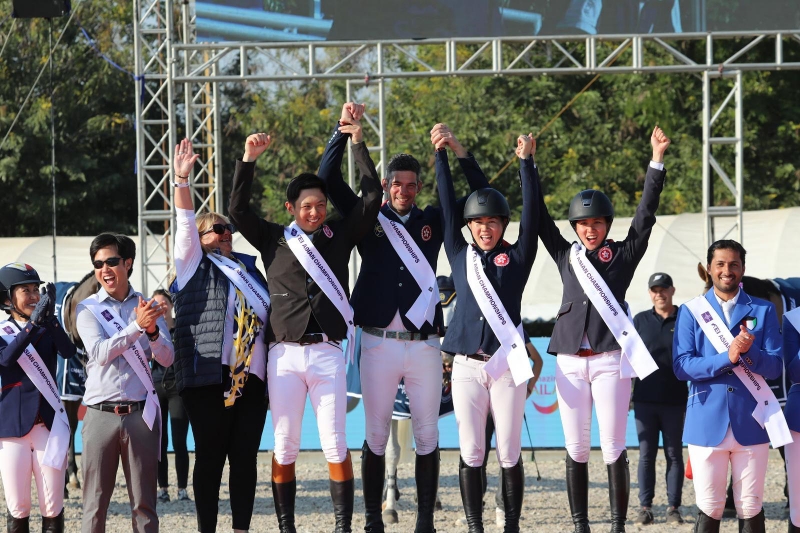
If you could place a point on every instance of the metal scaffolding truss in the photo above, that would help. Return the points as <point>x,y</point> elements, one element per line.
<point>170,64</point>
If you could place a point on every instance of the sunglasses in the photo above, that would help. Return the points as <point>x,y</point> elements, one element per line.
<point>111,261</point>
<point>219,229</point>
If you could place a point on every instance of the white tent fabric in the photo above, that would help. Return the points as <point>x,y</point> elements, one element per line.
<point>772,240</point>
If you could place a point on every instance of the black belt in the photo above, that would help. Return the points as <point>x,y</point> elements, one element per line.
<point>399,335</point>
<point>314,338</point>
<point>479,357</point>
<point>118,408</point>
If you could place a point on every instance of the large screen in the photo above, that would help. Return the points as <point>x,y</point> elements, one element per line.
<point>342,20</point>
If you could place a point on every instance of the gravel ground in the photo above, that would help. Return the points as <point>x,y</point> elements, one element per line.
<point>546,507</point>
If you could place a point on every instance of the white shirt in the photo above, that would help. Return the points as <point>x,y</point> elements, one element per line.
<point>188,254</point>
<point>727,307</point>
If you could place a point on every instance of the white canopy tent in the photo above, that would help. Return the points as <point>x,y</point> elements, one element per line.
<point>772,240</point>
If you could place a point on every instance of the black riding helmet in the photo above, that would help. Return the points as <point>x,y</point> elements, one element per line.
<point>486,202</point>
<point>590,204</point>
<point>14,274</point>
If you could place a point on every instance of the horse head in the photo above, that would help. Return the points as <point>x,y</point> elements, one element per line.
<point>85,288</point>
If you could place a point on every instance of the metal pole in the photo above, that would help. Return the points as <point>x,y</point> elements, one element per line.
<point>740,155</point>
<point>708,229</point>
<point>53,150</point>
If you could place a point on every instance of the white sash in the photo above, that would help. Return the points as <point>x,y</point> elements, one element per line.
<point>316,267</point>
<point>617,321</point>
<point>55,452</point>
<point>768,411</point>
<point>134,355</point>
<point>251,289</point>
<point>793,317</point>
<point>424,309</point>
<point>512,354</point>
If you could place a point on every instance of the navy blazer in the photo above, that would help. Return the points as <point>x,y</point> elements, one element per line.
<point>384,285</point>
<point>791,358</point>
<point>20,400</point>
<point>717,397</point>
<point>468,331</point>
<point>577,314</point>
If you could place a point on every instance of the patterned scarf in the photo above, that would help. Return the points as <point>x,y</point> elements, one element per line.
<point>246,327</point>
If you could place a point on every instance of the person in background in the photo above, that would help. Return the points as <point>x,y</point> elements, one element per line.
<point>172,405</point>
<point>791,359</point>
<point>659,402</point>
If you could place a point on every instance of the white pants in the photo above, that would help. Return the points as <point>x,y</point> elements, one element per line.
<point>792,451</point>
<point>474,395</point>
<point>19,459</point>
<point>384,362</point>
<point>581,381</point>
<point>710,473</point>
<point>319,371</point>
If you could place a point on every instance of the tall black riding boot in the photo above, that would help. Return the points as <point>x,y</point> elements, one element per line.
<point>706,524</point>
<point>283,495</point>
<point>426,473</point>
<point>54,524</point>
<point>17,525</point>
<point>469,479</point>
<point>373,470</point>
<point>619,489</point>
<point>793,528</point>
<point>578,494</point>
<point>753,525</point>
<point>513,481</point>
<point>342,494</point>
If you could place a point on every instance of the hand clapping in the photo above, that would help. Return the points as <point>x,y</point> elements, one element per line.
<point>147,313</point>
<point>741,344</point>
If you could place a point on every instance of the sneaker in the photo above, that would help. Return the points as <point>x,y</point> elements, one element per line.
<point>183,495</point>
<point>499,517</point>
<point>163,495</point>
<point>644,516</point>
<point>674,516</point>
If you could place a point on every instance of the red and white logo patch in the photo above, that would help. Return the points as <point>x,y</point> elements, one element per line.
<point>605,254</point>
<point>501,260</point>
<point>426,233</point>
<point>327,231</point>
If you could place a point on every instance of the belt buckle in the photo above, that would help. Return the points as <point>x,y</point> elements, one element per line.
<point>118,410</point>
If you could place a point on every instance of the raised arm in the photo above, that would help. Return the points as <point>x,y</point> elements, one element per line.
<point>475,176</point>
<point>453,219</point>
<point>330,168</point>
<point>645,217</point>
<point>528,240</point>
<point>188,251</point>
<point>555,243</point>
<point>254,228</point>
<point>362,218</point>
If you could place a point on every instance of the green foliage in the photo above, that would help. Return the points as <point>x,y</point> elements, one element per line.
<point>94,122</point>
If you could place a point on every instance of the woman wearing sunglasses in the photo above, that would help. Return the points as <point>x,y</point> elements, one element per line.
<point>221,310</point>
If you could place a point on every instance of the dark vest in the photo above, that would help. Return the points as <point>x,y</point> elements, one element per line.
<point>200,309</point>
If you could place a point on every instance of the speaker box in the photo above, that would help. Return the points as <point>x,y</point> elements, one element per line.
<point>30,9</point>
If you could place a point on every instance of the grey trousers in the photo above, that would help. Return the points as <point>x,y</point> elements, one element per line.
<point>107,438</point>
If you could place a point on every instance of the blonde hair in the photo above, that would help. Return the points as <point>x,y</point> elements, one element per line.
<point>205,221</point>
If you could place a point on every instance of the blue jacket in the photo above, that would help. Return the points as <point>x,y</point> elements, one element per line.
<point>791,358</point>
<point>20,400</point>
<point>717,398</point>
<point>468,331</point>
<point>384,285</point>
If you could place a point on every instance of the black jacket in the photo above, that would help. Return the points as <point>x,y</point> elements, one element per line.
<point>295,297</point>
<point>577,314</point>
<point>661,386</point>
<point>468,331</point>
<point>384,285</point>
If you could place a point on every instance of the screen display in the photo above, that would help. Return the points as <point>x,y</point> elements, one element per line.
<point>343,20</point>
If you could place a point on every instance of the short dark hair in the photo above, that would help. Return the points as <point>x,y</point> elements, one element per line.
<point>164,293</point>
<point>304,181</point>
<point>126,248</point>
<point>726,244</point>
<point>401,162</point>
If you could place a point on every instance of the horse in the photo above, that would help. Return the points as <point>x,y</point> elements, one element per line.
<point>72,373</point>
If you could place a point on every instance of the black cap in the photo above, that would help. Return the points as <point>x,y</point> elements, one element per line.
<point>659,279</point>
